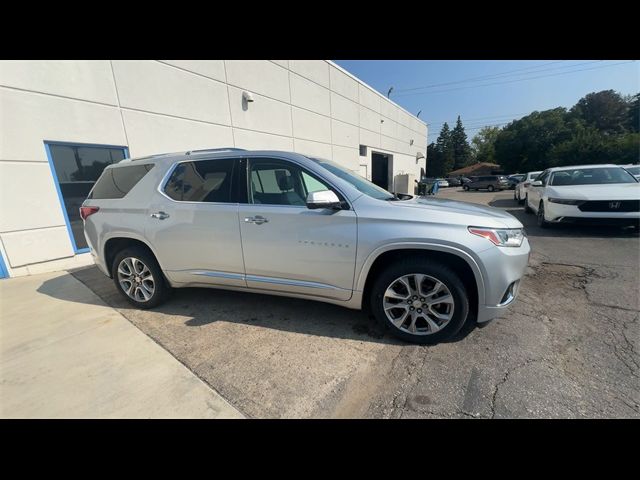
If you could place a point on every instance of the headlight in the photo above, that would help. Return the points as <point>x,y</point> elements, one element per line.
<point>563,201</point>
<point>502,237</point>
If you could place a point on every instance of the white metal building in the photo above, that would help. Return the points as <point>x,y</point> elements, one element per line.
<point>61,122</point>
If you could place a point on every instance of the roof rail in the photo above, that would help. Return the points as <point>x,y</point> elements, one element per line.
<point>226,149</point>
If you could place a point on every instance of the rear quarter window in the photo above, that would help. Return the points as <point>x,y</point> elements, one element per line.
<point>117,182</point>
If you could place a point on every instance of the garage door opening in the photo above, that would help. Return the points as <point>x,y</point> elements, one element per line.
<point>380,169</point>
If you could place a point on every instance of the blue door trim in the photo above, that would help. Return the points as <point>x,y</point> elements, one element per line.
<point>56,182</point>
<point>4,273</point>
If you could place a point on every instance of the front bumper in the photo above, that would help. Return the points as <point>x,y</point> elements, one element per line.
<point>559,213</point>
<point>503,269</point>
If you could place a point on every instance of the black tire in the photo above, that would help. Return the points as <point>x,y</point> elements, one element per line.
<point>542,223</point>
<point>434,269</point>
<point>161,289</point>
<point>490,188</point>
<point>465,188</point>
<point>527,208</point>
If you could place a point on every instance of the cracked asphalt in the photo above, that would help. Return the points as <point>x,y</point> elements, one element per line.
<point>568,348</point>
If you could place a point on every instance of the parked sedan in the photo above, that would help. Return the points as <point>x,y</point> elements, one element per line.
<point>454,181</point>
<point>602,194</point>
<point>633,170</point>
<point>442,182</point>
<point>515,180</point>
<point>520,193</point>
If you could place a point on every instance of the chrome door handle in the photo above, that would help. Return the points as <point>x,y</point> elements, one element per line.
<point>258,220</point>
<point>160,215</point>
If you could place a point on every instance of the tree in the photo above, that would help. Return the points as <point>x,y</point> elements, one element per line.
<point>460,146</point>
<point>483,145</point>
<point>524,145</point>
<point>445,150</point>
<point>634,114</point>
<point>433,161</point>
<point>440,154</point>
<point>607,111</point>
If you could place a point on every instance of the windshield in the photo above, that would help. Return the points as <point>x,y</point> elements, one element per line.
<point>591,176</point>
<point>533,175</point>
<point>633,170</point>
<point>362,184</point>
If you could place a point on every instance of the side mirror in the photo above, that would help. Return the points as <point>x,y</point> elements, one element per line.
<point>323,199</point>
<point>537,183</point>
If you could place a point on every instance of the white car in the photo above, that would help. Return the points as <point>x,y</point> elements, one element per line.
<point>602,194</point>
<point>520,192</point>
<point>442,182</point>
<point>633,170</point>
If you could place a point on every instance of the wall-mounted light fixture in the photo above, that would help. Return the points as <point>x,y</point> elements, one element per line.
<point>247,96</point>
<point>411,142</point>
<point>382,120</point>
<point>419,155</point>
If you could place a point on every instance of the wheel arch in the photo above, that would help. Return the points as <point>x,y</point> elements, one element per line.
<point>460,260</point>
<point>117,243</point>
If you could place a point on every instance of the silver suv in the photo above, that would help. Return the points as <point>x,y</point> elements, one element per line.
<point>282,223</point>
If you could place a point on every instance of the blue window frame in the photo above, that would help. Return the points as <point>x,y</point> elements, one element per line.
<point>4,273</point>
<point>75,168</point>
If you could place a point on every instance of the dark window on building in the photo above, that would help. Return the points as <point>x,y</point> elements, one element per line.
<point>117,182</point>
<point>202,181</point>
<point>77,168</point>
<point>363,150</point>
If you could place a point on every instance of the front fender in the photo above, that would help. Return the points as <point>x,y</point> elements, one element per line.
<point>366,267</point>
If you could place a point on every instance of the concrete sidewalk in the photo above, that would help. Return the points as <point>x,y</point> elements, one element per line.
<point>65,354</point>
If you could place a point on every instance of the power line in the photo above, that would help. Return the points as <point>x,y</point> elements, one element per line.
<point>504,74</point>
<point>481,118</point>
<point>519,80</point>
<point>476,123</point>
<point>477,78</point>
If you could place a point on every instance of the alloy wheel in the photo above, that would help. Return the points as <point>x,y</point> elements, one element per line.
<point>418,304</point>
<point>136,279</point>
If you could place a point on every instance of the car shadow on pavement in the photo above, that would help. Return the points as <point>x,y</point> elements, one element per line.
<point>558,230</point>
<point>197,307</point>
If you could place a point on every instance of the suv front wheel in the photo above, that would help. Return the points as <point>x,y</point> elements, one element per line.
<point>420,301</point>
<point>138,278</point>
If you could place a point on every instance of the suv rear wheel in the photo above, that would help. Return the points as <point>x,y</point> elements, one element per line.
<point>420,301</point>
<point>138,278</point>
<point>490,188</point>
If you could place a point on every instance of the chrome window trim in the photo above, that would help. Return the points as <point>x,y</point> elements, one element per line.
<point>165,179</point>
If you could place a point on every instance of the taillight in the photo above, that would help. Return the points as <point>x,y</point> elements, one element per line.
<point>86,211</point>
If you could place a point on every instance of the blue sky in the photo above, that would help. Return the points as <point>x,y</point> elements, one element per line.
<point>510,92</point>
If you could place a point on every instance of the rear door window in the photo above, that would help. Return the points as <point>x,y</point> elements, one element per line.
<point>209,181</point>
